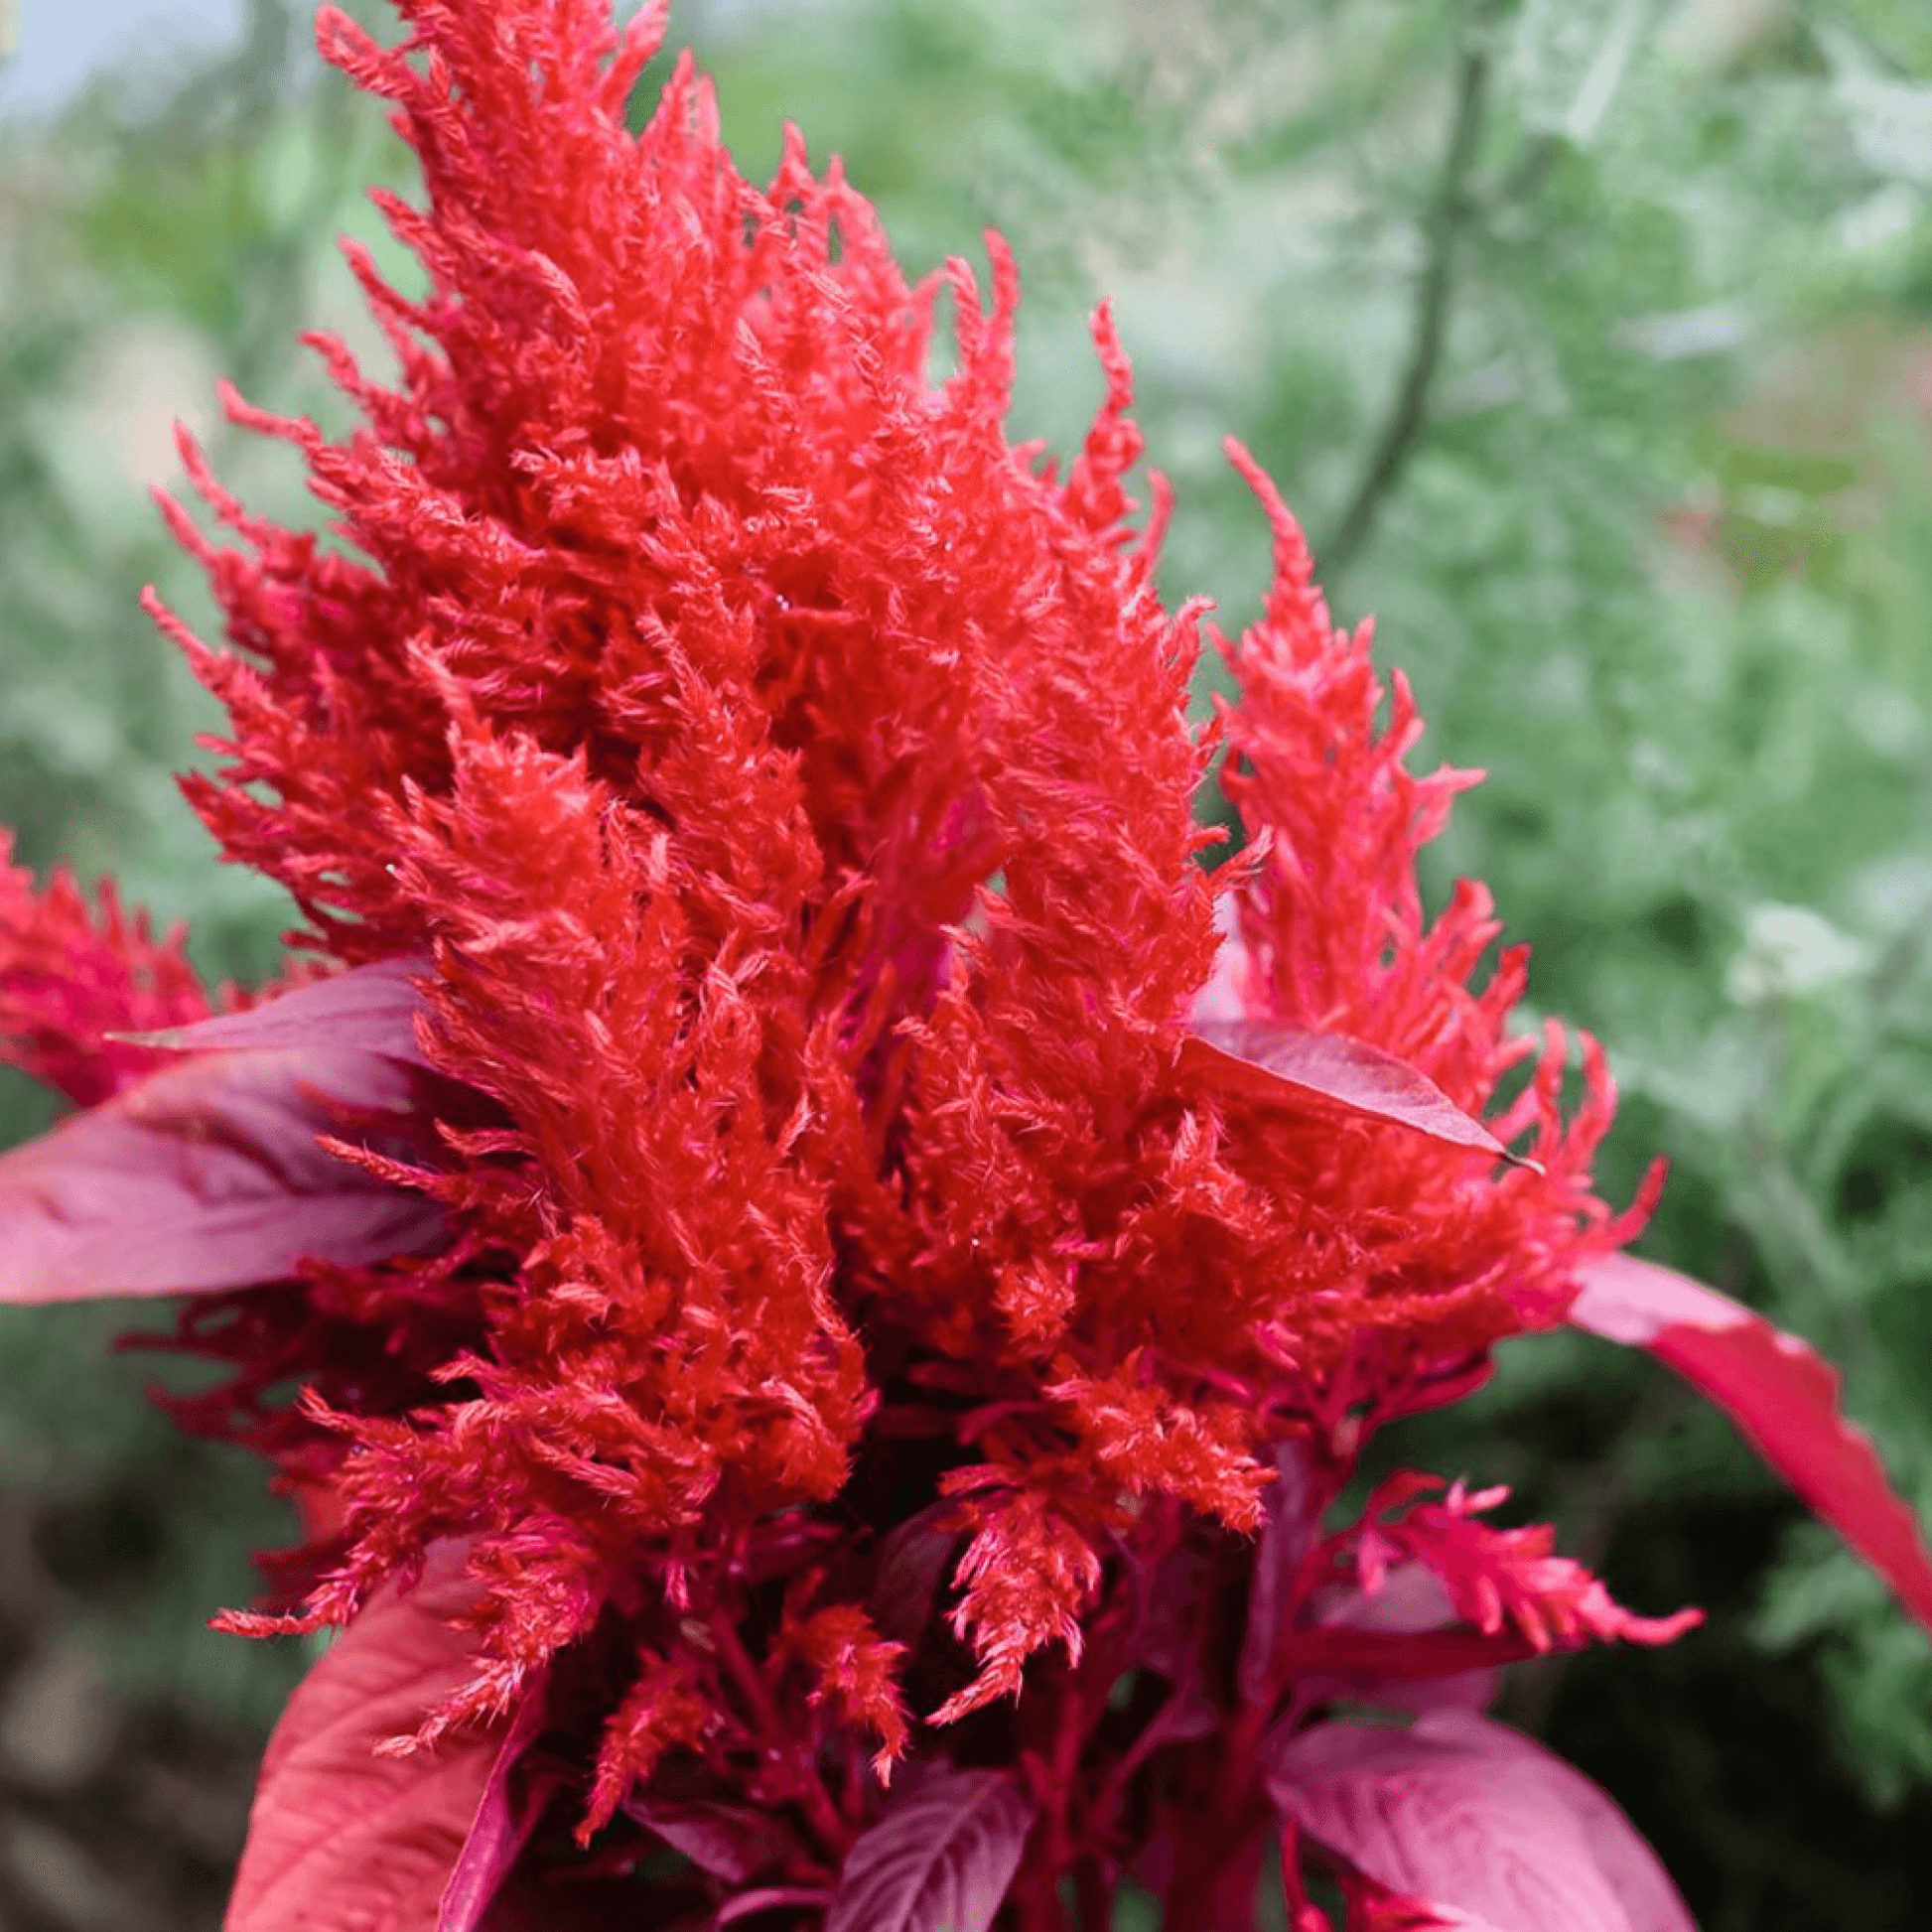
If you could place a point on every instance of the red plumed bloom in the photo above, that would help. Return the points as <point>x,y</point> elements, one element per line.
<point>816,1209</point>
<point>707,667</point>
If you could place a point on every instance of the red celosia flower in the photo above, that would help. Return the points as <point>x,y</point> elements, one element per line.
<point>833,1216</point>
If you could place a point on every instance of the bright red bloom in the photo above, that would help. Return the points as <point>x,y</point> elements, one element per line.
<point>705,667</point>
<point>870,1207</point>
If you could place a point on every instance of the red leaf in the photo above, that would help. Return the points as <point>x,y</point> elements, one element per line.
<point>914,1560</point>
<point>939,1859</point>
<point>767,1898</point>
<point>1474,1819</point>
<point>1410,1602</point>
<point>1401,1655</point>
<point>505,1818</point>
<point>207,1173</point>
<point>364,1010</point>
<point>1166,1638</point>
<point>727,1840</point>
<point>1169,1597</point>
<point>1288,1067</point>
<point>1291,1520</point>
<point>1783,1398</point>
<point>341,1836</point>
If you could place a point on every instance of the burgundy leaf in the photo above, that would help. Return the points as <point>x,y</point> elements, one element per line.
<point>1409,1602</point>
<point>767,1899</point>
<point>364,1010</point>
<point>1476,1820</point>
<point>1188,1715</point>
<point>1289,1066</point>
<point>207,1173</point>
<point>1169,1595</point>
<point>939,1859</point>
<point>1291,1521</point>
<point>1166,1638</point>
<point>728,1842</point>
<point>1783,1398</point>
<point>914,1560</point>
<point>501,1827</point>
<point>341,1836</point>
<point>1409,1598</point>
<point>1401,1655</point>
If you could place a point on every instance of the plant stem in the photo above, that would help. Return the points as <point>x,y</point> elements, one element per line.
<point>1093,1898</point>
<point>806,1785</point>
<point>1214,1890</point>
<point>1442,227</point>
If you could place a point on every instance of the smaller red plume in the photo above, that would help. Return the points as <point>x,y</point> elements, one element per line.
<point>666,1707</point>
<point>1497,1578</point>
<point>73,977</point>
<point>856,1672</point>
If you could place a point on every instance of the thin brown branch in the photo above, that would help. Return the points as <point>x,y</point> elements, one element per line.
<point>1442,229</point>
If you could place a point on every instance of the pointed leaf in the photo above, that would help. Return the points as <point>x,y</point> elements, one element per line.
<point>767,1898</point>
<point>728,1842</point>
<point>209,1173</point>
<point>1291,1520</point>
<point>1475,1819</point>
<point>939,1859</point>
<point>1401,1656</point>
<point>1409,1602</point>
<point>1782,1396</point>
<point>1167,1636</point>
<point>1188,1715</point>
<point>1289,1066</point>
<point>914,1560</point>
<point>505,1818</point>
<point>364,1010</point>
<point>343,1837</point>
<point>1170,1611</point>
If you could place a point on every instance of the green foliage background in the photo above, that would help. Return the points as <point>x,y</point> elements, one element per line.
<point>1593,343</point>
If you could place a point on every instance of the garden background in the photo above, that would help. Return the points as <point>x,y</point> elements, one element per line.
<point>1593,343</point>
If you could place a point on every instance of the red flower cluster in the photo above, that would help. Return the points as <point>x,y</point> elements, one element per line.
<point>832,1213</point>
<point>793,787</point>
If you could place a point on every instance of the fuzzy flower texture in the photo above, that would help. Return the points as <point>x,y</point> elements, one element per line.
<point>815,1265</point>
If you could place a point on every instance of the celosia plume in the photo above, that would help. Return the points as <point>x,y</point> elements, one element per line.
<point>707,667</point>
<point>843,1218</point>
